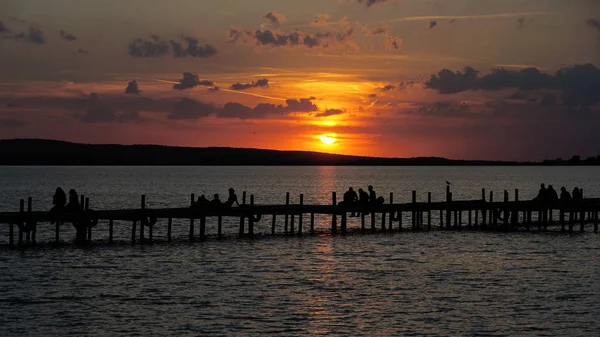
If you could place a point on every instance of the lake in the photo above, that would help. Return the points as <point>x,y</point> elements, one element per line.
<point>405,284</point>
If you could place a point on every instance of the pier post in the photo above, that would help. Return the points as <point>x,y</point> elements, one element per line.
<point>344,222</point>
<point>484,210</point>
<point>470,223</point>
<point>191,234</point>
<point>22,220</point>
<point>334,216</point>
<point>582,223</point>
<point>362,222</point>
<point>312,223</point>
<point>29,230</point>
<point>110,231</point>
<point>391,221</point>
<point>429,211</point>
<point>242,219</point>
<point>414,212</point>
<point>202,227</point>
<point>220,226</point>
<point>273,224</point>
<point>251,217</point>
<point>88,221</point>
<point>457,218</point>
<point>383,221</point>
<point>143,207</point>
<point>506,211</point>
<point>292,224</point>
<point>133,231</point>
<point>373,221</point>
<point>448,209</point>
<point>571,221</point>
<point>492,213</point>
<point>515,218</point>
<point>400,219</point>
<point>169,227</point>
<point>595,221</point>
<point>287,203</point>
<point>301,214</point>
<point>561,219</point>
<point>476,226</point>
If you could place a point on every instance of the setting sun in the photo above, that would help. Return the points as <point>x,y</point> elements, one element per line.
<point>327,139</point>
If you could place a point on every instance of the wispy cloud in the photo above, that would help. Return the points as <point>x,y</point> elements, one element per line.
<point>469,17</point>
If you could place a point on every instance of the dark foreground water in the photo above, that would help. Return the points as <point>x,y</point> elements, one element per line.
<point>404,284</point>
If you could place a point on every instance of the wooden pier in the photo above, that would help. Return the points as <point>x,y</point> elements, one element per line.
<point>483,214</point>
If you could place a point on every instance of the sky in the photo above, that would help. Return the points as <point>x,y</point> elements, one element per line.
<point>461,79</point>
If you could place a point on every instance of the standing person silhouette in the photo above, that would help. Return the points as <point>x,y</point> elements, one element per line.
<point>363,200</point>
<point>372,195</point>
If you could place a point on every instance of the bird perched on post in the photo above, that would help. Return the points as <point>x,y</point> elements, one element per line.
<point>448,183</point>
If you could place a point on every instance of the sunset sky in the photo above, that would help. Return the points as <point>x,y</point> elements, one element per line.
<point>297,75</point>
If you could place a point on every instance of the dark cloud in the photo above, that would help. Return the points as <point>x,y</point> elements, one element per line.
<point>191,109</point>
<point>432,24</point>
<point>67,36</point>
<point>132,88</point>
<point>155,46</point>
<point>577,85</point>
<point>12,123</point>
<point>380,30</point>
<point>274,18</point>
<point>388,87</point>
<point>193,48</point>
<point>320,20</point>
<point>329,112</point>
<point>264,110</point>
<point>594,23</point>
<point>263,83</point>
<point>443,109</point>
<point>35,35</point>
<point>101,111</point>
<point>393,43</point>
<point>370,3</point>
<point>3,28</point>
<point>190,80</point>
<point>406,85</point>
<point>295,38</point>
<point>372,96</point>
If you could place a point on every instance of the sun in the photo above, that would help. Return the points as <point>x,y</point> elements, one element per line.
<point>327,139</point>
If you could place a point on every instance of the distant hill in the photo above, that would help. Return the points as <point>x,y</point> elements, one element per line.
<point>51,152</point>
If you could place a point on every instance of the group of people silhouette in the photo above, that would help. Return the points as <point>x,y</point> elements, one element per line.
<point>59,200</point>
<point>202,201</point>
<point>549,196</point>
<point>361,198</point>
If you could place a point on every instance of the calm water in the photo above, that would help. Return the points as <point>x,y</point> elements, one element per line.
<point>436,283</point>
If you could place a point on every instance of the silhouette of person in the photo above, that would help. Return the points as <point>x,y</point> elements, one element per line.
<point>372,195</point>
<point>59,200</point>
<point>565,196</point>
<point>363,199</point>
<point>216,200</point>
<point>231,199</point>
<point>577,194</point>
<point>202,201</point>
<point>350,198</point>
<point>542,195</point>
<point>73,205</point>
<point>551,195</point>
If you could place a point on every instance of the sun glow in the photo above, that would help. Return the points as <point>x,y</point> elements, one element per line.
<point>328,140</point>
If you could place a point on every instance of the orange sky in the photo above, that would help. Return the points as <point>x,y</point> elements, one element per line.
<point>355,73</point>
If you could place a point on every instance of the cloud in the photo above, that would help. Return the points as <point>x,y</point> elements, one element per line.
<point>370,3</point>
<point>372,96</point>
<point>12,123</point>
<point>188,108</point>
<point>132,88</point>
<point>155,46</point>
<point>192,49</point>
<point>378,30</point>
<point>388,87</point>
<point>3,28</point>
<point>320,20</point>
<point>67,36</point>
<point>591,22</point>
<point>432,24</point>
<point>274,18</point>
<point>99,111</point>
<point>577,85</point>
<point>263,83</point>
<point>190,80</point>
<point>276,38</point>
<point>393,43</point>
<point>443,109</point>
<point>329,112</point>
<point>264,110</point>
<point>35,36</point>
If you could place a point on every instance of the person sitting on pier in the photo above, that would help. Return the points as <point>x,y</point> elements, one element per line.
<point>73,205</point>
<point>542,197</point>
<point>350,199</point>
<point>59,200</point>
<point>577,195</point>
<point>363,200</point>
<point>551,196</point>
<point>565,196</point>
<point>201,202</point>
<point>231,199</point>
<point>216,200</point>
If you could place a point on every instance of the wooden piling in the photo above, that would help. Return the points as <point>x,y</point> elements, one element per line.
<point>143,207</point>
<point>110,230</point>
<point>312,223</point>
<point>301,214</point>
<point>515,218</point>
<point>373,221</point>
<point>484,210</point>
<point>251,217</point>
<point>429,211</point>
<point>292,224</point>
<point>273,224</point>
<point>191,233</point>
<point>22,220</point>
<point>362,222</point>
<point>133,232</point>
<point>596,216</point>
<point>414,212</point>
<point>220,226</point>
<point>448,210</point>
<point>88,221</point>
<point>391,221</point>
<point>344,222</point>
<point>202,227</point>
<point>469,223</point>
<point>506,211</point>
<point>287,202</point>
<point>334,216</point>
<point>242,218</point>
<point>29,230</point>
